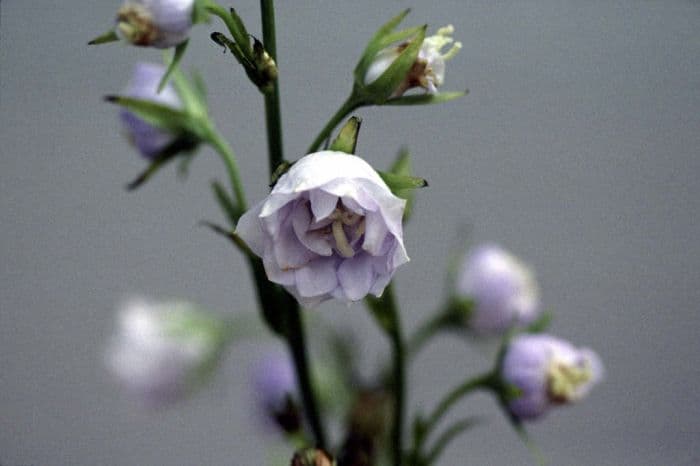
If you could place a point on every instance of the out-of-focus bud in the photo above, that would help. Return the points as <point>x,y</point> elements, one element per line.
<point>428,70</point>
<point>155,23</point>
<point>161,351</point>
<point>275,392</point>
<point>540,371</point>
<point>312,457</point>
<point>367,422</point>
<point>150,140</point>
<point>500,289</point>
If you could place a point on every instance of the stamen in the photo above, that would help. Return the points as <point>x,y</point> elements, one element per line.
<point>456,47</point>
<point>341,241</point>
<point>564,381</point>
<point>359,231</point>
<point>446,30</point>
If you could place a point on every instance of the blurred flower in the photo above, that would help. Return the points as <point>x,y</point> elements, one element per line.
<point>330,228</point>
<point>546,371</point>
<point>160,350</point>
<point>275,392</point>
<point>155,23</point>
<point>148,139</point>
<point>427,72</point>
<point>502,290</point>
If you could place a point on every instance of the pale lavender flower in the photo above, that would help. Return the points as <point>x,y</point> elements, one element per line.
<point>330,228</point>
<point>547,371</point>
<point>502,289</point>
<point>427,72</point>
<point>155,23</point>
<point>275,392</point>
<point>156,354</point>
<point>148,139</point>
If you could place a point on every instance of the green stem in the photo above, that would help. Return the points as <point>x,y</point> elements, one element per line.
<point>273,117</point>
<point>482,381</point>
<point>445,438</point>
<point>229,159</point>
<point>344,110</point>
<point>399,375</point>
<point>425,332</point>
<point>297,345</point>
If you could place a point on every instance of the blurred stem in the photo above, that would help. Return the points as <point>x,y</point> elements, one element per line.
<point>399,374</point>
<point>348,106</point>
<point>273,117</point>
<point>425,332</point>
<point>445,438</point>
<point>229,159</point>
<point>294,333</point>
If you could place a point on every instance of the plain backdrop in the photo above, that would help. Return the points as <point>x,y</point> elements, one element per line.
<point>577,148</point>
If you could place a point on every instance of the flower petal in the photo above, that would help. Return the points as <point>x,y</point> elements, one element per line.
<point>356,276</point>
<point>317,278</point>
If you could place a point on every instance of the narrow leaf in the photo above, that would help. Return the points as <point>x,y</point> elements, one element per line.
<point>172,66</point>
<point>240,34</point>
<point>107,37</point>
<point>162,116</point>
<point>402,167</point>
<point>426,99</point>
<point>346,141</point>
<point>401,182</point>
<point>225,202</point>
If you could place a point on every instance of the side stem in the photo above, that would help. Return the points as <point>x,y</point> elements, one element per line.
<point>399,376</point>
<point>229,159</point>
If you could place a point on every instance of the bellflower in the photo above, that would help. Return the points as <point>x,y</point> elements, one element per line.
<point>330,228</point>
<point>547,371</point>
<point>503,290</point>
<point>427,72</point>
<point>274,390</point>
<point>155,23</point>
<point>148,139</point>
<point>160,349</point>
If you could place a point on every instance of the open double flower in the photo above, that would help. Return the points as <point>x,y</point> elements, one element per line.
<point>330,228</point>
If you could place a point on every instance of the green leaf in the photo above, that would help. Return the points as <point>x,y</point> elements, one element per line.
<point>346,141</point>
<point>172,66</point>
<point>107,37</point>
<point>402,182</point>
<point>384,86</point>
<point>376,44</point>
<point>159,115</point>
<point>426,99</point>
<point>240,34</point>
<point>402,167</point>
<point>225,202</point>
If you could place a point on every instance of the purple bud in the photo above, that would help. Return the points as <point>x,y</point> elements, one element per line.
<point>503,290</point>
<point>546,371</point>
<point>155,23</point>
<point>330,228</point>
<point>274,390</point>
<point>148,139</point>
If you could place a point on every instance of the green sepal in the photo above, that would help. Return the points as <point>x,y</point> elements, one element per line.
<point>381,312</point>
<point>172,66</point>
<point>225,202</point>
<point>200,14</point>
<point>376,44</point>
<point>426,99</point>
<point>402,182</point>
<point>240,34</point>
<point>280,170</point>
<point>380,90</point>
<point>159,115</point>
<point>182,145</point>
<point>346,141</point>
<point>402,167</point>
<point>106,38</point>
<point>541,324</point>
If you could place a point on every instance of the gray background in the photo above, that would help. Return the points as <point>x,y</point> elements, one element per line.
<point>577,149</point>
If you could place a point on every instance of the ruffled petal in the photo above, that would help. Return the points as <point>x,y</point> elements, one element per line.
<point>356,276</point>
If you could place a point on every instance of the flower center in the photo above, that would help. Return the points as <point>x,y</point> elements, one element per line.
<point>347,227</point>
<point>135,24</point>
<point>565,380</point>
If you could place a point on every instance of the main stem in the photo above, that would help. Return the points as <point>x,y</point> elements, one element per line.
<point>399,376</point>
<point>272,99</point>
<point>295,328</point>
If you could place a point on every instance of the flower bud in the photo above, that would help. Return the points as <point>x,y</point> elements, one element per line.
<point>274,385</point>
<point>330,228</point>
<point>155,23</point>
<point>502,290</point>
<point>161,350</point>
<point>428,71</point>
<point>148,139</point>
<point>544,371</point>
<point>312,457</point>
